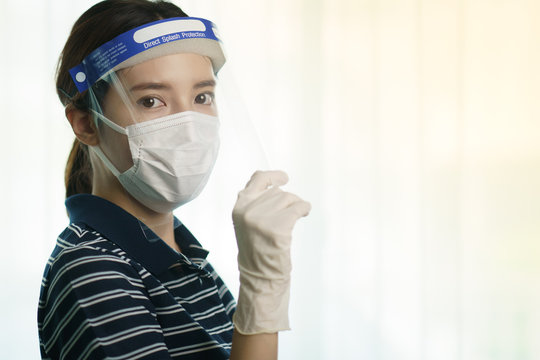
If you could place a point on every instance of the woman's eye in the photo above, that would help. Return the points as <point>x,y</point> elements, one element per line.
<point>204,99</point>
<point>150,102</point>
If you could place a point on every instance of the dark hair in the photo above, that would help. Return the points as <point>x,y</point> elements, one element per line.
<point>99,24</point>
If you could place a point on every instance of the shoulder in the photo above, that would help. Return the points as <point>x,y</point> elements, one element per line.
<point>80,246</point>
<point>93,297</point>
<point>85,261</point>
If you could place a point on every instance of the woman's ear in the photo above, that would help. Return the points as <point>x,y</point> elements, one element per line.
<point>83,125</point>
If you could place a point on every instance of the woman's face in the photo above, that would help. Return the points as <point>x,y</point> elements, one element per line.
<point>153,89</point>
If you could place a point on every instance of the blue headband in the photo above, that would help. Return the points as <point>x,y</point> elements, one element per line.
<point>151,40</point>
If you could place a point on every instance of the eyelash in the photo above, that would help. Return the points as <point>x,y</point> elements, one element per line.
<point>141,101</point>
<point>154,98</point>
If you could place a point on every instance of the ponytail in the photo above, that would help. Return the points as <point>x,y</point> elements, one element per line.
<point>78,176</point>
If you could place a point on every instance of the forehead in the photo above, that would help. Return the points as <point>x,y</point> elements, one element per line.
<point>183,68</point>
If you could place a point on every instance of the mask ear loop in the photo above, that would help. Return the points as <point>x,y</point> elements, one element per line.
<point>97,111</point>
<point>109,123</point>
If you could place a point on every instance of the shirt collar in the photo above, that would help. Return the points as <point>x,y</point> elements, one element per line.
<point>131,235</point>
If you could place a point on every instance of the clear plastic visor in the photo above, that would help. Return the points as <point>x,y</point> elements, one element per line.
<point>166,87</point>
<point>154,89</point>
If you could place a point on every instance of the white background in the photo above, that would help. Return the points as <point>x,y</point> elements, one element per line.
<point>411,126</point>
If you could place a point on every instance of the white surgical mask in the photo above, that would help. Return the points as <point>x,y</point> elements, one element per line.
<point>173,157</point>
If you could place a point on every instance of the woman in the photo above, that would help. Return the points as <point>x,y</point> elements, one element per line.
<point>126,279</point>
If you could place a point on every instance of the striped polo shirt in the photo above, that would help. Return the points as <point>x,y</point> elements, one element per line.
<point>113,290</point>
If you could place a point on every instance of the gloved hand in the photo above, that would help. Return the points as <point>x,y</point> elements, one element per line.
<point>264,217</point>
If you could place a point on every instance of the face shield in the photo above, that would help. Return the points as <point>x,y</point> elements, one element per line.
<point>146,58</point>
<point>152,92</point>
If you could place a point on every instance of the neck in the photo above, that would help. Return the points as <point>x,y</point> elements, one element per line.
<point>107,186</point>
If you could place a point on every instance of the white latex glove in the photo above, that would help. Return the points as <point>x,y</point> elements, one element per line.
<point>264,217</point>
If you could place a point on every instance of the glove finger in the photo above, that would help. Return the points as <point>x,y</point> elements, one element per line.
<point>288,217</point>
<point>300,208</point>
<point>279,200</point>
<point>249,199</point>
<point>271,201</point>
<point>274,211</point>
<point>261,180</point>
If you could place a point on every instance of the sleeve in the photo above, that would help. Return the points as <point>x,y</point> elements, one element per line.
<point>97,307</point>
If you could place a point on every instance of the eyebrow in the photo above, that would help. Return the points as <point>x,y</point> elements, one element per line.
<point>149,86</point>
<point>204,83</point>
<point>161,86</point>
